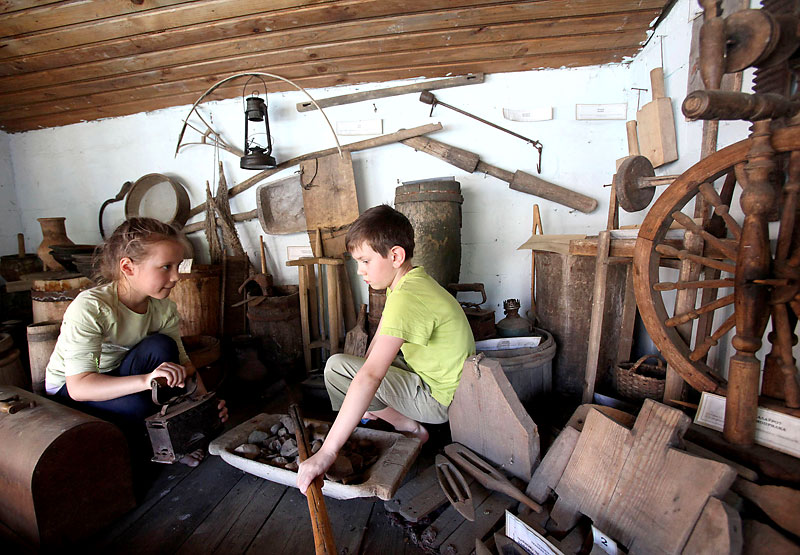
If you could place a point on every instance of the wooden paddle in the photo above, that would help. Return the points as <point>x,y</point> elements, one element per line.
<point>355,342</point>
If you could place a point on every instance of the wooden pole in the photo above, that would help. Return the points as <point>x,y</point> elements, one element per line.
<point>535,230</point>
<point>320,523</point>
<point>598,311</point>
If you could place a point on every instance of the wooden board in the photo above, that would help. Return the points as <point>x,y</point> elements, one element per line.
<point>719,530</point>
<point>549,472</point>
<point>780,503</point>
<point>635,485</point>
<point>418,497</point>
<point>487,416</point>
<point>656,124</point>
<point>758,535</point>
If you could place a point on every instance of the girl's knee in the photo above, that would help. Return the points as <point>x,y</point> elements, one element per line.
<point>160,346</point>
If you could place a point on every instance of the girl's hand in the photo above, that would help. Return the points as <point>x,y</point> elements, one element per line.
<point>174,373</point>
<point>223,411</point>
<point>314,467</point>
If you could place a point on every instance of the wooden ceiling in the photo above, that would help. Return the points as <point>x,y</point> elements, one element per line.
<point>67,61</point>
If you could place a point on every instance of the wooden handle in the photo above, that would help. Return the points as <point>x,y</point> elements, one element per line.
<point>633,138</point>
<point>263,255</point>
<point>362,317</point>
<point>21,245</point>
<point>487,475</point>
<point>320,523</point>
<point>527,183</point>
<point>657,82</point>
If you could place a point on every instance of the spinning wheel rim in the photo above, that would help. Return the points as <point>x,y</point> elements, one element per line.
<point>646,261</point>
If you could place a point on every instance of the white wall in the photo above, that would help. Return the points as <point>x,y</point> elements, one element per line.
<point>10,215</point>
<point>69,171</point>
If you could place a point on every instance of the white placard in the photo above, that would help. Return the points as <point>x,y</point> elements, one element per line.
<point>295,253</point>
<point>601,111</point>
<point>774,429</point>
<point>185,267</point>
<point>604,542</point>
<point>527,538</point>
<point>360,127</point>
<point>503,343</point>
<point>542,113</point>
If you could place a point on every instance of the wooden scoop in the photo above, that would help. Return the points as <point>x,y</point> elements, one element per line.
<point>486,474</point>
<point>455,487</point>
<point>355,342</point>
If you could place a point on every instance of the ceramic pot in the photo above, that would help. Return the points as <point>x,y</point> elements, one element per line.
<point>54,232</point>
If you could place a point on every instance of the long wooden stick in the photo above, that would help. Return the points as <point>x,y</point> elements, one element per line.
<point>320,523</point>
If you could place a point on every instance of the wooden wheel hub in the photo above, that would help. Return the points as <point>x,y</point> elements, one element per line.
<point>633,196</point>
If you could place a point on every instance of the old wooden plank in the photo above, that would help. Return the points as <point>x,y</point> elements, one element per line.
<point>167,524</point>
<point>758,536</point>
<point>635,485</point>
<point>166,479</point>
<point>384,538</point>
<point>779,503</point>
<point>154,102</point>
<point>487,416</point>
<point>418,497</point>
<point>349,518</point>
<point>487,514</point>
<point>377,18</point>
<point>233,523</point>
<point>177,80</point>
<point>550,470</point>
<point>718,530</point>
<point>450,519</point>
<point>300,45</point>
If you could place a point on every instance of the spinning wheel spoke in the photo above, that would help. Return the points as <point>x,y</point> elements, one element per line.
<point>702,350</point>
<point>667,250</point>
<point>679,319</point>
<point>703,284</point>
<point>720,208</point>
<point>689,224</point>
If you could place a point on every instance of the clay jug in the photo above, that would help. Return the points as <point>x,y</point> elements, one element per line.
<point>54,232</point>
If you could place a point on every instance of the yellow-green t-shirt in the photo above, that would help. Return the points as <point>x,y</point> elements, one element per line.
<point>97,331</point>
<point>433,325</point>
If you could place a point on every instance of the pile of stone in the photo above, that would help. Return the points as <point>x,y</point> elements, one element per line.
<point>278,447</point>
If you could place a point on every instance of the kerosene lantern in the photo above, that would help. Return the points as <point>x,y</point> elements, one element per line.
<point>256,156</point>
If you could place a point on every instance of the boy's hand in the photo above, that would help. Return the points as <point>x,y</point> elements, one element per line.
<point>314,467</point>
<point>174,373</point>
<point>223,411</point>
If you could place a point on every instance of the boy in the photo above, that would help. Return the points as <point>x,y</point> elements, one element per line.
<point>420,318</point>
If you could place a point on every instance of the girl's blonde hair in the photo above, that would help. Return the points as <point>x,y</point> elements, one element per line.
<point>132,239</point>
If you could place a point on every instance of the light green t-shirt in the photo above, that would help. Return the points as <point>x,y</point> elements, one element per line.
<point>433,325</point>
<point>98,330</point>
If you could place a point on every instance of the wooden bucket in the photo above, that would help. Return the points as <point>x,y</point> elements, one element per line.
<point>276,324</point>
<point>42,337</point>
<point>197,297</point>
<point>51,296</point>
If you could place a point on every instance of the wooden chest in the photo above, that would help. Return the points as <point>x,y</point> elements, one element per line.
<point>64,475</point>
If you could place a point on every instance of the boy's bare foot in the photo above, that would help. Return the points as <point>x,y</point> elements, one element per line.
<point>369,416</point>
<point>194,458</point>
<point>420,432</point>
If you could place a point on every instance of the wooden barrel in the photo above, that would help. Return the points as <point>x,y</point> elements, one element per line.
<point>51,294</point>
<point>60,465</point>
<point>197,297</point>
<point>275,322</point>
<point>42,337</point>
<point>11,369</point>
<point>433,206</point>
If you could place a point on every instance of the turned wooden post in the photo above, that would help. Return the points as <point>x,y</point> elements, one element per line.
<point>751,299</point>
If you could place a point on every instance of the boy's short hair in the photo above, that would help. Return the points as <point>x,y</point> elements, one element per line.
<point>381,227</point>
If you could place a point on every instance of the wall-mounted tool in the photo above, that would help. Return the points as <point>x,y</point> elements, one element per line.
<point>428,98</point>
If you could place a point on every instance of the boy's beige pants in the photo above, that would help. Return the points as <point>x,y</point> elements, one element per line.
<point>401,388</point>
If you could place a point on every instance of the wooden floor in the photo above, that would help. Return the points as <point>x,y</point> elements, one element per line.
<point>216,508</point>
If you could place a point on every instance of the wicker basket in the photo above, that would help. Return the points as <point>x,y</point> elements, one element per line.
<point>640,381</point>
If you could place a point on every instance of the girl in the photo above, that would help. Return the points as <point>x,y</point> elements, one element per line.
<point>117,337</point>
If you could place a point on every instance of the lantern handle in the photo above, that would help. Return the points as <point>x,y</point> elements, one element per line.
<point>256,74</point>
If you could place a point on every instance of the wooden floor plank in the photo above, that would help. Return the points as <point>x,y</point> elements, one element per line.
<point>349,520</point>
<point>167,525</point>
<point>385,538</point>
<point>215,533</point>
<point>165,478</point>
<point>251,520</point>
<point>288,529</point>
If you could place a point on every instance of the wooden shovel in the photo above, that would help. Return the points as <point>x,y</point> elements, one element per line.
<point>486,474</point>
<point>355,342</point>
<point>656,124</point>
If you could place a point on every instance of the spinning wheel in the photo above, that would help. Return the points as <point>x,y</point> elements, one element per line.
<point>718,261</point>
<point>726,258</point>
